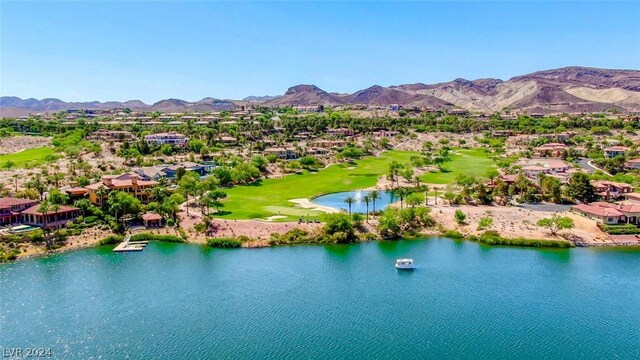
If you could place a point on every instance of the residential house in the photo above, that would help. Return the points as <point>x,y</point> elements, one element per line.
<point>131,184</point>
<point>384,134</point>
<point>633,164</point>
<point>328,144</point>
<point>609,213</point>
<point>51,219</point>
<point>10,209</point>
<point>610,190</point>
<point>550,149</point>
<point>111,135</point>
<point>283,153</point>
<point>340,132</point>
<point>317,151</point>
<point>532,171</point>
<point>170,138</point>
<point>613,151</point>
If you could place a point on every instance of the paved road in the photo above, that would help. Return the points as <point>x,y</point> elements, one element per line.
<point>584,164</point>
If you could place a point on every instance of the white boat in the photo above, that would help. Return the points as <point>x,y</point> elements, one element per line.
<point>404,264</point>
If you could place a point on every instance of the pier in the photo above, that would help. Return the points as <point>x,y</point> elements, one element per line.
<point>129,246</point>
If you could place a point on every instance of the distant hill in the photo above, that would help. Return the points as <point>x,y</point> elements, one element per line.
<point>568,89</point>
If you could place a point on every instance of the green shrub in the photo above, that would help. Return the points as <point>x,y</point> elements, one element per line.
<point>293,236</point>
<point>225,242</point>
<point>111,239</point>
<point>492,238</point>
<point>626,229</point>
<point>454,234</point>
<point>154,237</point>
<point>170,222</point>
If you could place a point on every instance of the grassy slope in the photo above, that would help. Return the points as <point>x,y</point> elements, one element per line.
<point>270,197</point>
<point>466,161</point>
<point>34,156</point>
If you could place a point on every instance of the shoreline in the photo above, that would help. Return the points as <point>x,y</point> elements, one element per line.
<point>257,243</point>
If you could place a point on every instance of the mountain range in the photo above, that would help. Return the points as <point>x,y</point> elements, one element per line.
<point>568,89</point>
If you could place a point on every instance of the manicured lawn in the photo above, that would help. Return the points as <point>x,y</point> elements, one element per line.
<point>463,161</point>
<point>271,196</point>
<point>32,157</point>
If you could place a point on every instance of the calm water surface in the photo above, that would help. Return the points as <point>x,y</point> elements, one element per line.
<point>464,301</point>
<point>336,200</point>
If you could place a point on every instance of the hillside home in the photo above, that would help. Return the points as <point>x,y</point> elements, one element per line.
<point>283,153</point>
<point>633,164</point>
<point>51,219</point>
<point>550,149</point>
<point>111,135</point>
<point>132,184</point>
<point>10,209</point>
<point>170,138</point>
<point>609,190</point>
<point>613,151</point>
<point>340,132</point>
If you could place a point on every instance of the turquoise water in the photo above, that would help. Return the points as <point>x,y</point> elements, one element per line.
<point>336,200</point>
<point>464,301</point>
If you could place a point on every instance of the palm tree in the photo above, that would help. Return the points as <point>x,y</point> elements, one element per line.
<point>15,181</point>
<point>366,199</point>
<point>426,195</point>
<point>401,192</point>
<point>101,193</point>
<point>56,208</point>
<point>374,195</point>
<point>158,193</point>
<point>44,208</point>
<point>349,201</point>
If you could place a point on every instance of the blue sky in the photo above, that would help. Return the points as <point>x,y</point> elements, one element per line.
<point>84,51</point>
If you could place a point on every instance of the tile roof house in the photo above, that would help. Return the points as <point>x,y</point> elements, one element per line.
<point>633,164</point>
<point>550,149</point>
<point>10,209</point>
<point>51,219</point>
<point>613,151</point>
<point>131,184</point>
<point>610,190</point>
<point>609,213</point>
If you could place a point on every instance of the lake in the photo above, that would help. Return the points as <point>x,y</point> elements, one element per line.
<point>336,200</point>
<point>465,301</point>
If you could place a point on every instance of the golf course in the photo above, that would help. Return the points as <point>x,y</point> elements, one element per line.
<point>271,197</point>
<point>27,158</point>
<point>463,161</point>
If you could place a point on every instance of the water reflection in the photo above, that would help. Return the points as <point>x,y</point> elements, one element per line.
<point>340,251</point>
<point>557,255</point>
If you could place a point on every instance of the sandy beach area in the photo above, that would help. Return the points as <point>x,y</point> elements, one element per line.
<point>307,204</point>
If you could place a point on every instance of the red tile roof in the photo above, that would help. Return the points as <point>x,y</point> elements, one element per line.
<point>598,210</point>
<point>151,216</point>
<point>63,208</point>
<point>10,201</point>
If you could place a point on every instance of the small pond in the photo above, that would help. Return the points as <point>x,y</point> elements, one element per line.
<point>336,200</point>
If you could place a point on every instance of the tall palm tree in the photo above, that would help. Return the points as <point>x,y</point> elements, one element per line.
<point>366,199</point>
<point>426,195</point>
<point>15,181</point>
<point>374,195</point>
<point>401,192</point>
<point>56,208</point>
<point>44,209</point>
<point>102,193</point>
<point>349,201</point>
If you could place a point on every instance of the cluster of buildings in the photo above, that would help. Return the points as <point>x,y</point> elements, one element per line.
<point>532,168</point>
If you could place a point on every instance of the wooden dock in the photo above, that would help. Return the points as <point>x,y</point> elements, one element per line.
<point>129,246</point>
